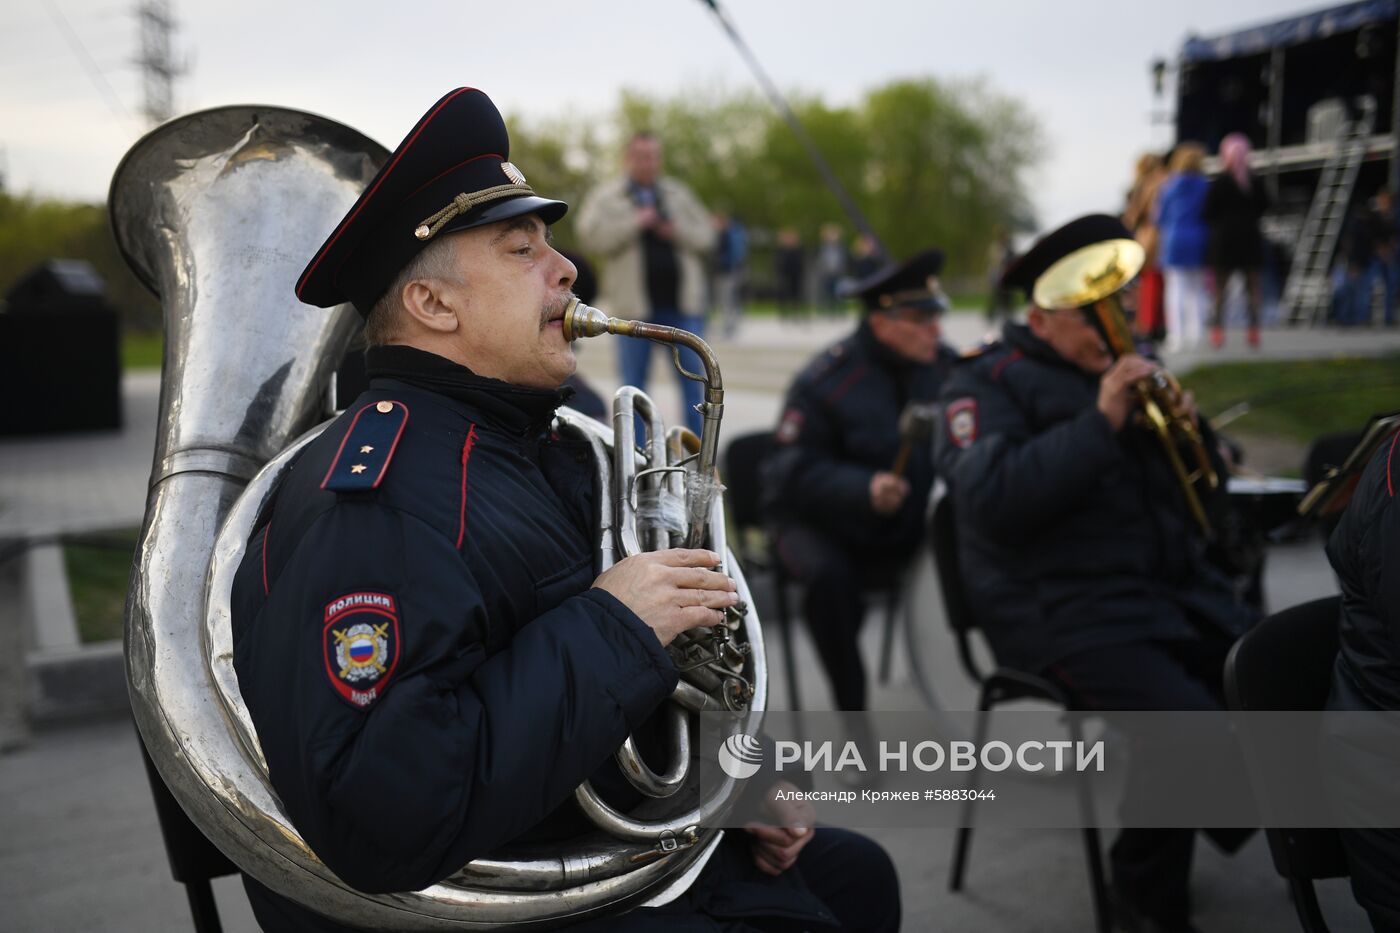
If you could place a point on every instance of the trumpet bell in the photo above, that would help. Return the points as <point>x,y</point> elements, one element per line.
<point>1089,274</point>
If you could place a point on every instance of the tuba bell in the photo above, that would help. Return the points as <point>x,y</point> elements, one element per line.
<point>213,212</point>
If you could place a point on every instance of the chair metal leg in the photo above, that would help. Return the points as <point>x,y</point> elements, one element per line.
<point>1103,910</point>
<point>1305,903</point>
<point>788,636</point>
<point>887,640</point>
<point>964,838</point>
<point>203,908</point>
<point>1098,888</point>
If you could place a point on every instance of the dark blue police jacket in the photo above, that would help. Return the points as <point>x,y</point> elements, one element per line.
<point>840,426</point>
<point>427,669</point>
<point>1363,550</point>
<point>1070,536</point>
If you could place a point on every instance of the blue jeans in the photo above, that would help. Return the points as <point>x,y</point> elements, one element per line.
<point>634,359</point>
<point>1354,292</point>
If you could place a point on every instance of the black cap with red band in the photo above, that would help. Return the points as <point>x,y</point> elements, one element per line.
<point>912,283</point>
<point>450,173</point>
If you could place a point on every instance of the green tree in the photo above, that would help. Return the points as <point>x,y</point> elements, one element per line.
<point>946,167</point>
<point>928,162</point>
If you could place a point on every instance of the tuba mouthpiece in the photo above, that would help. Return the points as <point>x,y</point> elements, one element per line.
<point>581,320</point>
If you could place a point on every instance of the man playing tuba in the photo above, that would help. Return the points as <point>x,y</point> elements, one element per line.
<point>428,659</point>
<point>1080,555</point>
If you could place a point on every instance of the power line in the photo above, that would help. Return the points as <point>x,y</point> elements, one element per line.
<point>94,73</point>
<point>158,67</point>
<point>785,111</point>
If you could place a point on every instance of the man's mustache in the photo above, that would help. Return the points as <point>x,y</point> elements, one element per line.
<point>555,309</point>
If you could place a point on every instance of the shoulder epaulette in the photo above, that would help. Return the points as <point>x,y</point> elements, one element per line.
<point>367,448</point>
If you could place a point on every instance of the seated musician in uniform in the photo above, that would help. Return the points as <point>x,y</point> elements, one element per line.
<point>428,660</point>
<point>1081,559</point>
<point>845,488</point>
<point>1365,552</point>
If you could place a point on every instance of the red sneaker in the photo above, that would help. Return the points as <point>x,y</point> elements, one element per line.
<point>1217,337</point>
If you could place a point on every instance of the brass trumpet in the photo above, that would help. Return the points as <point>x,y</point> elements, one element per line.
<point>1092,278</point>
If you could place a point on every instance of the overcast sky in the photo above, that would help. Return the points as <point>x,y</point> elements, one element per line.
<point>1080,65</point>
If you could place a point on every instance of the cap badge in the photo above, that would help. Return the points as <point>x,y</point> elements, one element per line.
<point>516,176</point>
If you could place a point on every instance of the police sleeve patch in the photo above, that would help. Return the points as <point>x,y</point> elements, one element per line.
<point>790,429</point>
<point>361,645</point>
<point>961,420</point>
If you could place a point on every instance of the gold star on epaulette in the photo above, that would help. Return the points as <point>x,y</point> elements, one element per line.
<point>366,449</point>
<point>357,468</point>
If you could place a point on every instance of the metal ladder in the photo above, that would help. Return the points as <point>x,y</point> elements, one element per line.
<point>1307,295</point>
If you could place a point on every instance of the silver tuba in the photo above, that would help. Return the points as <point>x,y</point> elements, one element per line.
<point>214,212</point>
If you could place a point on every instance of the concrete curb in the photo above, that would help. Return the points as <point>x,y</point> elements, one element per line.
<point>77,683</point>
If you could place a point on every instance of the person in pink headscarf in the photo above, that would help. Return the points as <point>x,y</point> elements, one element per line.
<point>1234,204</point>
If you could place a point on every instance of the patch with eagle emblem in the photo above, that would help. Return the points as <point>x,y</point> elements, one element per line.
<point>961,418</point>
<point>361,645</point>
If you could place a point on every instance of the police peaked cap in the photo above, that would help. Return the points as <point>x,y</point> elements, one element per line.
<point>904,284</point>
<point>450,173</point>
<point>1057,244</point>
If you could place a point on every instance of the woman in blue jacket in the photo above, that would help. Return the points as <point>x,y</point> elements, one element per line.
<point>1184,236</point>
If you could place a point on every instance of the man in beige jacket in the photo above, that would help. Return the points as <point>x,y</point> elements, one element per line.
<point>649,231</point>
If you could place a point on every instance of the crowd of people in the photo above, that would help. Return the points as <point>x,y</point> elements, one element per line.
<point>1203,236</point>
<point>444,529</point>
<point>1199,233</point>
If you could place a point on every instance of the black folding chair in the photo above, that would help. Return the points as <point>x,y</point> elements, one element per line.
<point>742,462</point>
<point>1004,685</point>
<point>194,861</point>
<point>1285,663</point>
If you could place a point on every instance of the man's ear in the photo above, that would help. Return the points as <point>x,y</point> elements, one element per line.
<point>1037,320</point>
<point>432,304</point>
<point>879,323</point>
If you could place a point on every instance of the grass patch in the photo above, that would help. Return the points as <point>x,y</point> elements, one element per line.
<point>1299,399</point>
<point>98,568</point>
<point>142,349</point>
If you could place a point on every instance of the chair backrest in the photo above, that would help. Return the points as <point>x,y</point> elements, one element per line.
<point>943,535</point>
<point>1285,663</point>
<point>742,461</point>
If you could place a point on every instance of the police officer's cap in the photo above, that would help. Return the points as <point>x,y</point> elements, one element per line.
<point>450,173</point>
<point>1057,244</point>
<point>912,283</point>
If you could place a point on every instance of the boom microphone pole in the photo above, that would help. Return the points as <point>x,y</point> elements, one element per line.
<point>780,102</point>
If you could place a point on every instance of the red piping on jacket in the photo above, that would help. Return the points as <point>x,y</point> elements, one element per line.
<point>462,506</point>
<point>1006,361</point>
<point>1388,458</point>
<point>846,384</point>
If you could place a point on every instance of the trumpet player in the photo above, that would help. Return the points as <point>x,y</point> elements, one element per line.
<point>429,661</point>
<point>844,487</point>
<point>1079,554</point>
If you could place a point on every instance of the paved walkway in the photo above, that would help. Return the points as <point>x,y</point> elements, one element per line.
<point>82,482</point>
